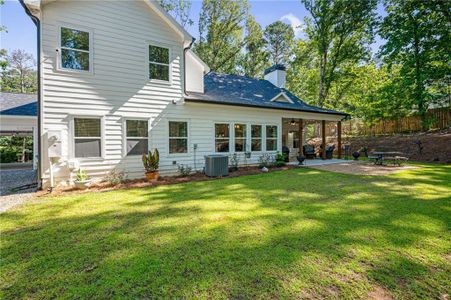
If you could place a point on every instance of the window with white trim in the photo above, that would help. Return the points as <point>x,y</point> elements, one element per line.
<point>178,137</point>
<point>256,138</point>
<point>87,137</point>
<point>75,49</point>
<point>271,138</point>
<point>137,137</point>
<point>159,63</point>
<point>240,137</point>
<point>222,137</point>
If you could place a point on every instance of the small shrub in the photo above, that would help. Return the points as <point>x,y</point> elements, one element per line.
<point>82,175</point>
<point>280,157</point>
<point>115,177</point>
<point>184,170</point>
<point>234,161</point>
<point>279,163</point>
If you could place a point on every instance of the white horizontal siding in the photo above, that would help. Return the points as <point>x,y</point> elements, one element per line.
<point>118,88</point>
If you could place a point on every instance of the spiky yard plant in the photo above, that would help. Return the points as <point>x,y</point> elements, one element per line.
<point>151,161</point>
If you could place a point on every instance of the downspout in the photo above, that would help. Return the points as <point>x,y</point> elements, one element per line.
<point>184,65</point>
<point>37,22</point>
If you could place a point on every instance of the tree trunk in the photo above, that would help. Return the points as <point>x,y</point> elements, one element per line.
<point>419,95</point>
<point>22,82</point>
<point>23,149</point>
<point>322,76</point>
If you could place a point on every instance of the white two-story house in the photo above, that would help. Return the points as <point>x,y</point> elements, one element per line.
<point>117,78</point>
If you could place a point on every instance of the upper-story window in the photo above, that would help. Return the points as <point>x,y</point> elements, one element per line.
<point>75,49</point>
<point>159,63</point>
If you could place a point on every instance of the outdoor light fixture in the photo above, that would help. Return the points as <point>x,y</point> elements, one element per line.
<point>292,122</point>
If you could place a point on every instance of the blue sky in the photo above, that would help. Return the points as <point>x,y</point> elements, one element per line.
<point>22,32</point>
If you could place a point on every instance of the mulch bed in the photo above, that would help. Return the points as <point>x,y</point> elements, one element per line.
<point>167,180</point>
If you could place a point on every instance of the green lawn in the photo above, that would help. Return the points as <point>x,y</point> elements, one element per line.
<point>300,233</point>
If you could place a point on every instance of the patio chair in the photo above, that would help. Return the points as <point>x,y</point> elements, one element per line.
<point>286,153</point>
<point>309,151</point>
<point>329,151</point>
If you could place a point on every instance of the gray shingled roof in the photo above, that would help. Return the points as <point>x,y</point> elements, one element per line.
<point>15,104</point>
<point>245,91</point>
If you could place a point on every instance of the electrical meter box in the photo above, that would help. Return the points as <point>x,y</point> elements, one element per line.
<point>54,138</point>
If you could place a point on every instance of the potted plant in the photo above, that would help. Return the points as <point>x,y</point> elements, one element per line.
<point>82,182</point>
<point>151,162</point>
<point>301,159</point>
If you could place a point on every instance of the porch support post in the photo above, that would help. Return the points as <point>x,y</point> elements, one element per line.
<point>339,138</point>
<point>323,133</point>
<point>301,137</point>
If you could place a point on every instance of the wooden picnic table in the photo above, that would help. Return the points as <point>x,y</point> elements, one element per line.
<point>380,156</point>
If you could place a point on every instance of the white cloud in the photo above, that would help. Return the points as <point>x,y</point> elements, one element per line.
<point>295,23</point>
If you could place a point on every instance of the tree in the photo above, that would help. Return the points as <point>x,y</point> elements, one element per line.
<point>280,38</point>
<point>341,31</point>
<point>179,9</point>
<point>18,73</point>
<point>303,74</point>
<point>418,39</point>
<point>255,59</point>
<point>221,41</point>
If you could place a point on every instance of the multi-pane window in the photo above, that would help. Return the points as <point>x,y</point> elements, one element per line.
<point>256,138</point>
<point>240,137</point>
<point>271,138</point>
<point>87,137</point>
<point>74,49</point>
<point>178,137</point>
<point>137,137</point>
<point>159,63</point>
<point>222,137</point>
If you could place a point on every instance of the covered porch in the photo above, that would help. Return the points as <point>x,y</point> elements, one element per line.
<point>297,132</point>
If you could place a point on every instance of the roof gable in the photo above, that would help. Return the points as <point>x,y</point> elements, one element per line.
<point>35,6</point>
<point>282,97</point>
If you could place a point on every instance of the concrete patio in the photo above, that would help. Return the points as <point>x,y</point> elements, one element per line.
<point>320,162</point>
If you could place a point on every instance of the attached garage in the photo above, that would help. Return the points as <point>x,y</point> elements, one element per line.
<point>18,120</point>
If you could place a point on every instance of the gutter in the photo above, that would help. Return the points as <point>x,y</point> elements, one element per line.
<point>184,66</point>
<point>345,115</point>
<point>37,22</point>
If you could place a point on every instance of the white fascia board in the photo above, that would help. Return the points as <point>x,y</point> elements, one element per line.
<point>170,21</point>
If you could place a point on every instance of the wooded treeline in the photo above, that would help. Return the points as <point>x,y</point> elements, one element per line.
<point>332,65</point>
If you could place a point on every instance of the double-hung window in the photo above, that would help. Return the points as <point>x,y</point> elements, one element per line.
<point>271,138</point>
<point>75,49</point>
<point>222,137</point>
<point>240,137</point>
<point>159,66</point>
<point>256,138</point>
<point>137,137</point>
<point>87,137</point>
<point>178,137</point>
